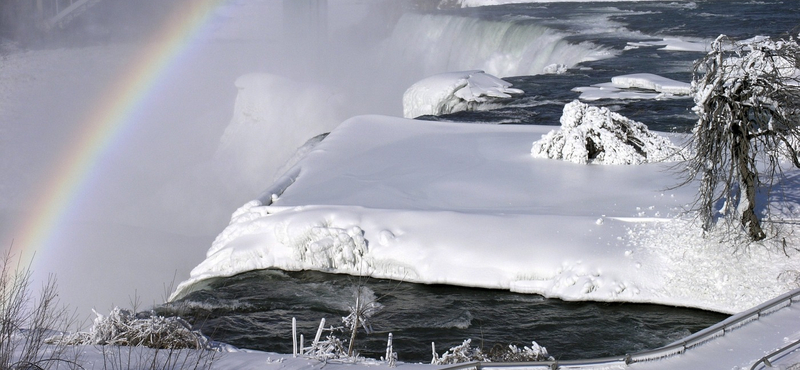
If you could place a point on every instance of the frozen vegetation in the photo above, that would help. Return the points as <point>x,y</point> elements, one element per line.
<point>596,135</point>
<point>453,92</point>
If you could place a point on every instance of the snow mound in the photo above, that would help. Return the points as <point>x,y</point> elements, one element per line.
<point>454,92</point>
<point>596,135</point>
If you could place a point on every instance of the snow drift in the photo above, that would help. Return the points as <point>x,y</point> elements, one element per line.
<point>591,134</point>
<point>454,92</point>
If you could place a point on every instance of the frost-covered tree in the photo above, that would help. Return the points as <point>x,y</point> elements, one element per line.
<point>747,98</point>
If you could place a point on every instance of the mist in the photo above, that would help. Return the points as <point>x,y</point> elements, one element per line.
<point>199,145</point>
<point>253,83</point>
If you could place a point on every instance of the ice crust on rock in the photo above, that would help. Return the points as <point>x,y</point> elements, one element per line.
<point>596,135</point>
<point>454,92</point>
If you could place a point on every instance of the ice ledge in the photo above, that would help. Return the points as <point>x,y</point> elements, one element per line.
<point>437,202</point>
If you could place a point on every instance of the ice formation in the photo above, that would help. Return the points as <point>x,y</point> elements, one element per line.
<point>621,87</point>
<point>453,92</point>
<point>591,134</point>
<point>671,44</point>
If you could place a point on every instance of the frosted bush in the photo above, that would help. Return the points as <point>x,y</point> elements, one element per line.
<point>591,134</point>
<point>513,353</point>
<point>466,353</point>
<point>331,348</point>
<point>123,328</point>
<point>458,354</point>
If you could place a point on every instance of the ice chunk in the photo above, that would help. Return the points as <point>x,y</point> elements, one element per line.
<point>621,87</point>
<point>453,92</point>
<point>671,44</point>
<point>649,81</point>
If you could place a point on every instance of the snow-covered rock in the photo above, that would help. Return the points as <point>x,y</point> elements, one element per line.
<point>453,92</point>
<point>591,134</point>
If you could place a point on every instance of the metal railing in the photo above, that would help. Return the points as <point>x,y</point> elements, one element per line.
<point>715,331</point>
<point>768,360</point>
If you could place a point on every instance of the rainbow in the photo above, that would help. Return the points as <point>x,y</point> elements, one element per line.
<point>102,127</point>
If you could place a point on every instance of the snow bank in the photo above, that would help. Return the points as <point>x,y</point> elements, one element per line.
<point>596,135</point>
<point>619,88</point>
<point>454,92</point>
<point>438,202</point>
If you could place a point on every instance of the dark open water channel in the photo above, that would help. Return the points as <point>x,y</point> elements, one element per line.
<point>254,310</point>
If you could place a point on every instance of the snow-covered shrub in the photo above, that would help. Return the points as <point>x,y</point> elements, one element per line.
<point>466,353</point>
<point>513,353</point>
<point>331,348</point>
<point>591,134</point>
<point>361,312</point>
<point>459,354</point>
<point>123,328</point>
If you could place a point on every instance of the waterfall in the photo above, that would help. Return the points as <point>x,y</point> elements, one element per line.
<point>444,43</point>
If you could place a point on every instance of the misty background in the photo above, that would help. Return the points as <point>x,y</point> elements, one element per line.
<point>199,145</point>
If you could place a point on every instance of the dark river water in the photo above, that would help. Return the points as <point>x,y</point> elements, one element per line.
<point>254,310</point>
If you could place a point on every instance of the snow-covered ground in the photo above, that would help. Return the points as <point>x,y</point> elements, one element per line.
<point>460,204</point>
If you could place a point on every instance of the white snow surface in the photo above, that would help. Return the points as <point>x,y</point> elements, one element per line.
<point>596,135</point>
<point>462,204</point>
<point>621,87</point>
<point>454,92</point>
